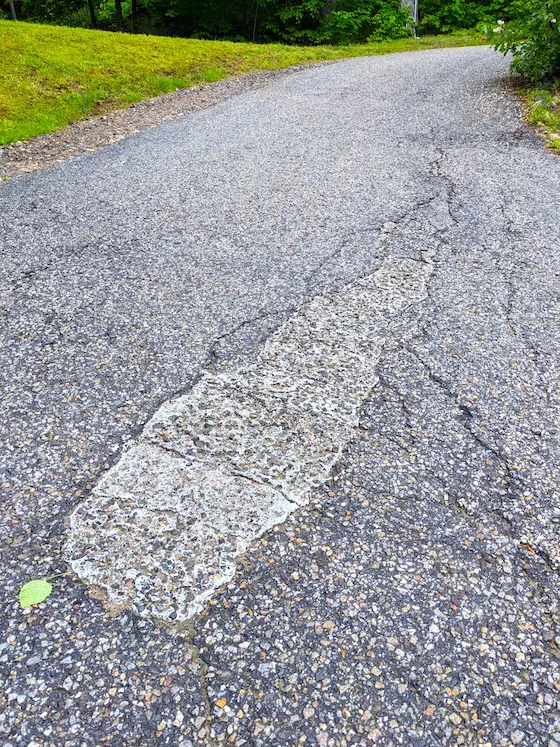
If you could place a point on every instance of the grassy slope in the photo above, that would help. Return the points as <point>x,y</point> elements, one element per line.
<point>543,111</point>
<point>51,76</point>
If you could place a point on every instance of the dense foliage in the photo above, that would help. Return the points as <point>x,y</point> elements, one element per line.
<point>532,35</point>
<point>441,17</point>
<point>291,21</point>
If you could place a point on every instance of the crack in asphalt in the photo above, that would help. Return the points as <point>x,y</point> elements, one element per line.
<point>80,554</point>
<point>401,601</point>
<point>297,369</point>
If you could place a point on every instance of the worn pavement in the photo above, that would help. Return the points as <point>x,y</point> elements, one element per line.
<point>413,598</point>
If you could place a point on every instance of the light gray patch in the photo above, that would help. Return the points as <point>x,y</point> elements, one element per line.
<point>160,529</point>
<point>215,469</point>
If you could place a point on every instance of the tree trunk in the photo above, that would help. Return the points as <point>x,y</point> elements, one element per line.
<point>120,20</point>
<point>255,22</point>
<point>13,10</point>
<point>134,16</point>
<point>92,16</point>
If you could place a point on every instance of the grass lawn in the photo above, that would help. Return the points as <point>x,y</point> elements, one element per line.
<point>51,75</point>
<point>542,107</point>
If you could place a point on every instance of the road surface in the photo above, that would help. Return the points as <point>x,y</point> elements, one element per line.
<point>406,591</point>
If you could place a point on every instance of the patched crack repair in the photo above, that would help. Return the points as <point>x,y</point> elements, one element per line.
<point>245,447</point>
<point>248,447</point>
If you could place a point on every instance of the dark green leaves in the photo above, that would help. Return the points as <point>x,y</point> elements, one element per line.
<point>532,36</point>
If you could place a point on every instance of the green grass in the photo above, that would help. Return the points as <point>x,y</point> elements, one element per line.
<point>543,111</point>
<point>51,76</point>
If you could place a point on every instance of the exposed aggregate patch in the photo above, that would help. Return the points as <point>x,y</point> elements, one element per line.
<point>216,468</point>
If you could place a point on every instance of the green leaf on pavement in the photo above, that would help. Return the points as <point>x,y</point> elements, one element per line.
<point>34,592</point>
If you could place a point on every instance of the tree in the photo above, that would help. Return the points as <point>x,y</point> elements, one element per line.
<point>92,16</point>
<point>134,7</point>
<point>119,14</point>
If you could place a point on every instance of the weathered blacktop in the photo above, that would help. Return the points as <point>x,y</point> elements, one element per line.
<point>409,594</point>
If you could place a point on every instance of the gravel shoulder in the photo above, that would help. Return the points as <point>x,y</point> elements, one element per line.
<point>97,132</point>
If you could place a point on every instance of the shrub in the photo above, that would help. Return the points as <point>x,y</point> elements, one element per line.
<point>391,23</point>
<point>443,16</point>
<point>52,11</point>
<point>533,38</point>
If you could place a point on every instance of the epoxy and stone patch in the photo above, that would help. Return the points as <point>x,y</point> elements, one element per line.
<point>215,469</point>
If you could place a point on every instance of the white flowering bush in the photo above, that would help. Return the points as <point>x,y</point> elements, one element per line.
<point>533,38</point>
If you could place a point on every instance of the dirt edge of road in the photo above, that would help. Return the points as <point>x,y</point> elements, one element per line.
<point>93,134</point>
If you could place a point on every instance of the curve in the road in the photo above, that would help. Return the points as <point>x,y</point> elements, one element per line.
<point>414,599</point>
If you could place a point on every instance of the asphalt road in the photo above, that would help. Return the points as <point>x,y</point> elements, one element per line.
<point>414,599</point>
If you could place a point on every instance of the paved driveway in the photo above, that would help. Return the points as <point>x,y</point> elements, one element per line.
<point>412,598</point>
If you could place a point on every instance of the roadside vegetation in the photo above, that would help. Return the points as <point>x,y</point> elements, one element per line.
<point>53,76</point>
<point>532,37</point>
<point>543,112</point>
<point>302,22</point>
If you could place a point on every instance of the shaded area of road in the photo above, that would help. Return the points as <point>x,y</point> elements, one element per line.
<point>415,600</point>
